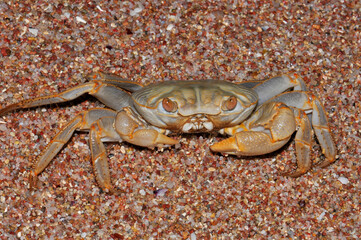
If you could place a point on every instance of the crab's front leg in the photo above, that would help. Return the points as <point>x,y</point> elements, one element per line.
<point>267,130</point>
<point>133,129</point>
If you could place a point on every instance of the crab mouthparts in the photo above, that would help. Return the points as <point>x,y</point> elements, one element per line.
<point>198,124</point>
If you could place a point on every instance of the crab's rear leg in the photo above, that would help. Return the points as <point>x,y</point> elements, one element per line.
<point>267,130</point>
<point>303,141</point>
<point>274,86</point>
<point>82,121</point>
<point>115,80</point>
<point>109,89</point>
<point>309,103</point>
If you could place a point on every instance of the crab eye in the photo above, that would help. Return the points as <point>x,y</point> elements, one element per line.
<point>169,105</point>
<point>230,103</point>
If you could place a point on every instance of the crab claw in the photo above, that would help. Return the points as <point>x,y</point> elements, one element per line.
<point>248,143</point>
<point>149,138</point>
<point>228,145</point>
<point>132,130</point>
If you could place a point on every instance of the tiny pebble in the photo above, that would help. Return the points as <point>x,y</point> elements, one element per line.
<point>67,14</point>
<point>343,180</point>
<point>3,127</point>
<point>135,11</point>
<point>170,27</point>
<point>34,31</point>
<point>100,9</point>
<point>79,19</point>
<point>160,192</point>
<point>5,52</point>
<point>319,218</point>
<point>122,149</point>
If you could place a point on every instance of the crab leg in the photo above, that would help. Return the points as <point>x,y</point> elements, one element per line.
<point>80,122</point>
<point>309,103</point>
<point>105,87</point>
<point>269,129</point>
<point>303,140</point>
<point>115,80</point>
<point>132,129</point>
<point>100,129</point>
<point>274,86</point>
<point>251,84</point>
<point>126,127</point>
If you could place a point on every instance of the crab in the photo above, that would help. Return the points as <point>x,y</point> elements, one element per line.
<point>259,116</point>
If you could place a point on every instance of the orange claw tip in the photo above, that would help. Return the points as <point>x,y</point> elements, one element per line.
<point>163,139</point>
<point>228,145</point>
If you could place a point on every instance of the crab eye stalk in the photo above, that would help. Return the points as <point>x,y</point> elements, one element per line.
<point>230,103</point>
<point>169,105</point>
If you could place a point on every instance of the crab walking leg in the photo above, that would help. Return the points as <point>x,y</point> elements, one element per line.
<point>111,95</point>
<point>56,98</point>
<point>251,84</point>
<point>80,122</point>
<point>102,130</point>
<point>115,80</point>
<point>311,104</point>
<point>274,86</point>
<point>133,130</point>
<point>303,140</point>
<point>267,130</point>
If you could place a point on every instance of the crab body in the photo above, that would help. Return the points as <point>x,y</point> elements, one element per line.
<point>194,106</point>
<point>259,117</point>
